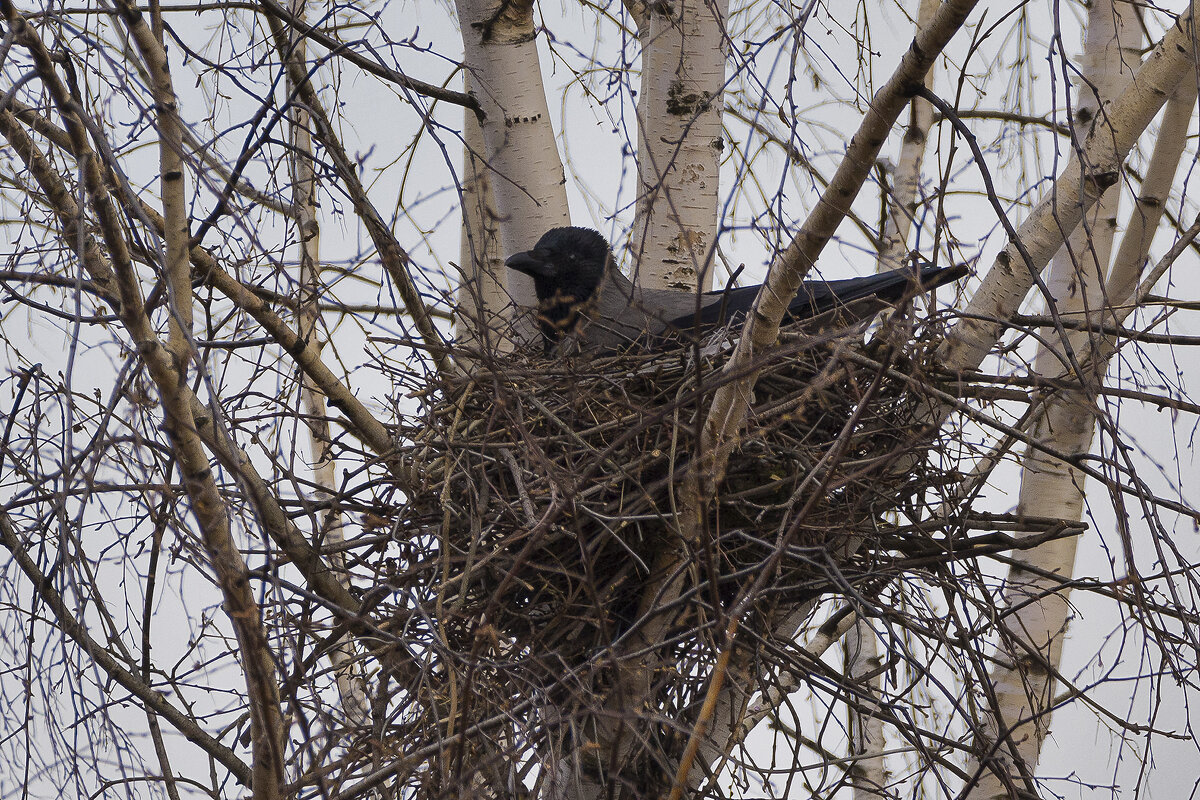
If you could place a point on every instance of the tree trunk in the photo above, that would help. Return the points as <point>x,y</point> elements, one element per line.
<point>528,183</point>
<point>680,143</point>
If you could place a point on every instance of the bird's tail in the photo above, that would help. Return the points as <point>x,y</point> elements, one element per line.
<point>886,288</point>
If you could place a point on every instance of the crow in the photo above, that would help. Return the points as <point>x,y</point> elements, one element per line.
<point>583,296</point>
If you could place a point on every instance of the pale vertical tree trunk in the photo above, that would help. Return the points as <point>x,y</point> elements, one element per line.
<point>869,774</point>
<point>1041,234</point>
<point>481,295</point>
<point>177,265</point>
<point>679,142</point>
<point>1023,682</point>
<point>1074,415</point>
<point>520,160</point>
<point>528,182</point>
<point>1076,273</point>
<point>902,205</point>
<point>343,656</point>
<point>1156,187</point>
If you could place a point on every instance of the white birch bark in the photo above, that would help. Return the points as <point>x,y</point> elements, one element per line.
<point>528,182</point>
<point>737,717</point>
<point>869,774</point>
<point>1075,281</point>
<point>1156,187</point>
<point>902,204</point>
<point>176,266</point>
<point>1024,684</point>
<point>1084,178</point>
<point>679,142</point>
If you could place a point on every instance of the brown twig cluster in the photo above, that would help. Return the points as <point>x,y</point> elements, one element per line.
<point>538,496</point>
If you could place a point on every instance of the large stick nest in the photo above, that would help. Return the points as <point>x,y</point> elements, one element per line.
<point>545,490</point>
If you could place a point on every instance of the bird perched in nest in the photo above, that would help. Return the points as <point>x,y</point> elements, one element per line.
<point>583,297</point>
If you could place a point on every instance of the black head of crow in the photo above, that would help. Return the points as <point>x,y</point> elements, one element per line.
<point>581,293</point>
<point>569,267</point>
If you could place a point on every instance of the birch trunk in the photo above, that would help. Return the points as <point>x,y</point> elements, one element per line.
<point>902,204</point>
<point>1152,200</point>
<point>1024,683</point>
<point>1089,172</point>
<point>869,774</point>
<point>679,143</point>
<point>528,182</point>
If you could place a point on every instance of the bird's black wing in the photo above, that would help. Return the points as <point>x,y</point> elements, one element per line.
<point>816,297</point>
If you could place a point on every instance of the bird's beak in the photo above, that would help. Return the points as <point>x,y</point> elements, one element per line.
<point>532,262</point>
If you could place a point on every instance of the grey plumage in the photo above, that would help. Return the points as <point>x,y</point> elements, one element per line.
<point>582,295</point>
